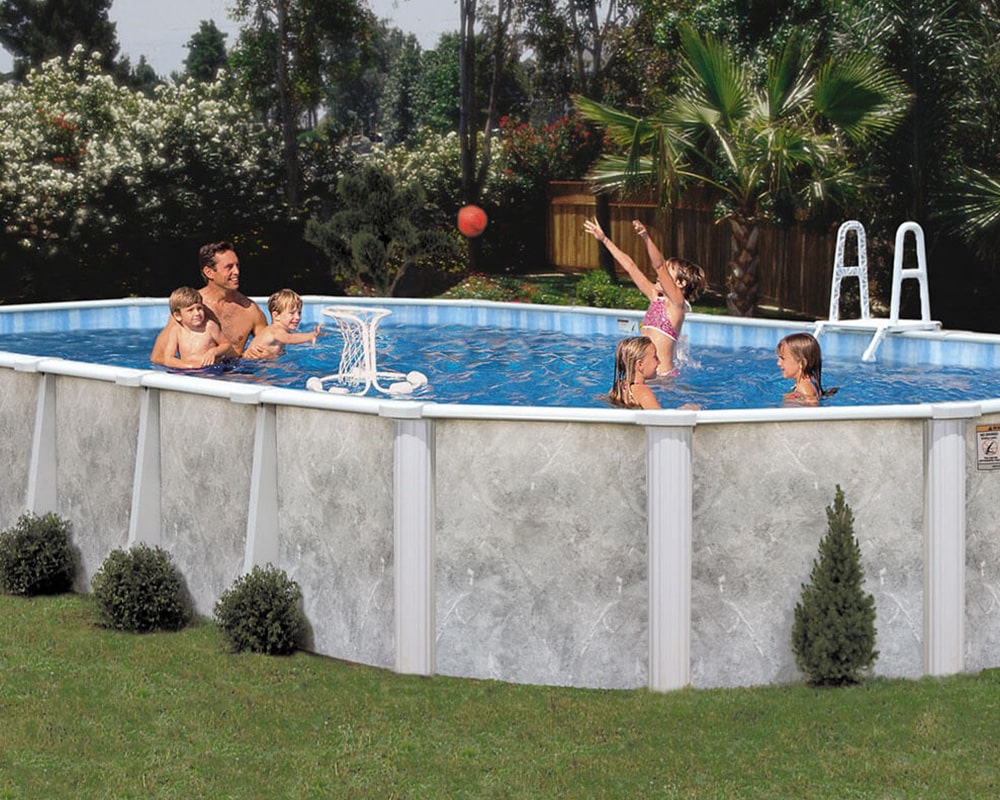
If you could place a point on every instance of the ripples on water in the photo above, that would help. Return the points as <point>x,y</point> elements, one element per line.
<point>503,367</point>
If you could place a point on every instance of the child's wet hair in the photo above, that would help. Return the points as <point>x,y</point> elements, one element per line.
<point>805,348</point>
<point>627,354</point>
<point>182,297</point>
<point>691,274</point>
<point>282,300</point>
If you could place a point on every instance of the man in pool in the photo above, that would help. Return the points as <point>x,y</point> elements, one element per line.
<point>237,315</point>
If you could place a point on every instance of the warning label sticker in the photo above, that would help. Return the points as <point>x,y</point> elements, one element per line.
<point>988,447</point>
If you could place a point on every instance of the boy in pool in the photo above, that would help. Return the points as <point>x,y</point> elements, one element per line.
<point>195,340</point>
<point>286,313</point>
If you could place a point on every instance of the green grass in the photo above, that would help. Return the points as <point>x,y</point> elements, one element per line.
<point>90,713</point>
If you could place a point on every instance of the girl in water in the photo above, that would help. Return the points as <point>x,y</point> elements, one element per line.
<point>800,359</point>
<point>678,282</point>
<point>635,363</point>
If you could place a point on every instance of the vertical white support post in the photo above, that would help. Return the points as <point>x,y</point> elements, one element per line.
<point>413,489</point>
<point>144,522</point>
<point>669,485</point>
<point>42,495</point>
<point>944,537</point>
<point>262,516</point>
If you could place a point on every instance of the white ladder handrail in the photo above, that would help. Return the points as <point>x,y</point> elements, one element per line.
<point>841,270</point>
<point>880,326</point>
<point>918,273</point>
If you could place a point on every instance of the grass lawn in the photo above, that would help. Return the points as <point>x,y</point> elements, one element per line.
<point>89,713</point>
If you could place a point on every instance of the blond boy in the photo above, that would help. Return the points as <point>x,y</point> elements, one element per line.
<point>195,340</point>
<point>286,314</point>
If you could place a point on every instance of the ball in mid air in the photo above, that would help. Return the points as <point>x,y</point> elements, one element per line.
<point>472,220</point>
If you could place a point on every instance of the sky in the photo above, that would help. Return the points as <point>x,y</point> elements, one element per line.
<point>159,29</point>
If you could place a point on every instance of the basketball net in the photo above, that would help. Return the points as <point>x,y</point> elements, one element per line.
<point>358,371</point>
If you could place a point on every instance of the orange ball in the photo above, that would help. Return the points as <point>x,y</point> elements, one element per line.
<point>472,220</point>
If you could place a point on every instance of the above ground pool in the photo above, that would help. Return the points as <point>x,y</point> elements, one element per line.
<point>522,530</point>
<point>564,359</point>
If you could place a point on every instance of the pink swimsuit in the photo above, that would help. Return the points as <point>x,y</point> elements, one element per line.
<point>656,317</point>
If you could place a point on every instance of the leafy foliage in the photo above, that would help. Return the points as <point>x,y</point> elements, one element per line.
<point>376,235</point>
<point>37,30</point>
<point>833,635</point>
<point>140,590</point>
<point>36,556</point>
<point>503,288</point>
<point>94,172</point>
<point>206,52</point>
<point>597,289</point>
<point>775,147</point>
<point>260,612</point>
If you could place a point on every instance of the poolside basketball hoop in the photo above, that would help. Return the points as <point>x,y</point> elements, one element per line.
<point>359,370</point>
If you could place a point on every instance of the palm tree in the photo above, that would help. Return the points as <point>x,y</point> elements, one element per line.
<point>775,147</point>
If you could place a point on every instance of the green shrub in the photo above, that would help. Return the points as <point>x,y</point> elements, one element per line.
<point>502,288</point>
<point>260,612</point>
<point>140,590</point>
<point>597,289</point>
<point>833,635</point>
<point>36,556</point>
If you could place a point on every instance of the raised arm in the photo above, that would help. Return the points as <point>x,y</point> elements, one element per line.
<point>643,284</point>
<point>659,264</point>
<point>655,256</point>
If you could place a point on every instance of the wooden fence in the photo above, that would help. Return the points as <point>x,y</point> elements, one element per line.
<point>796,265</point>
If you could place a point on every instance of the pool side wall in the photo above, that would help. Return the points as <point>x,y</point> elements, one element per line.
<point>539,553</point>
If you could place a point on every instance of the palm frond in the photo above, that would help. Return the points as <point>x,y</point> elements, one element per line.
<point>860,97</point>
<point>621,128</point>
<point>715,77</point>
<point>974,205</point>
<point>788,82</point>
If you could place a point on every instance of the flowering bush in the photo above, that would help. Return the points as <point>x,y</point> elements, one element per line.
<point>88,167</point>
<point>563,150</point>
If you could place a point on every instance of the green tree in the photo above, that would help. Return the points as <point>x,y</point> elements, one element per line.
<point>577,45</point>
<point>376,237</point>
<point>36,30</point>
<point>398,110</point>
<point>206,52</point>
<point>141,77</point>
<point>288,53</point>
<point>774,149</point>
<point>833,635</point>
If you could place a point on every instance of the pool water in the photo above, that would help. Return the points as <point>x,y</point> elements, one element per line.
<point>484,365</point>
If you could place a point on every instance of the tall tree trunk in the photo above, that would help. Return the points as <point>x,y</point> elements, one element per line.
<point>475,163</point>
<point>741,282</point>
<point>466,116</point>
<point>286,104</point>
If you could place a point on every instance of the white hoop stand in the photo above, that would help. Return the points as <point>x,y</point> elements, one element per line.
<point>358,370</point>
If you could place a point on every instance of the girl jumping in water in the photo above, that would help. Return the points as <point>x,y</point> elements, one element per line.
<point>678,282</point>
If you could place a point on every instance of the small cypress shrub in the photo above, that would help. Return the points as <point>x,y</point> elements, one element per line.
<point>140,590</point>
<point>36,556</point>
<point>260,612</point>
<point>833,635</point>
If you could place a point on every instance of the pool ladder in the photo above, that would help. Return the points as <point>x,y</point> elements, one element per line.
<point>881,326</point>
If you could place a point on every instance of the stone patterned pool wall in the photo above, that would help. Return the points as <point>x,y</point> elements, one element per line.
<point>540,525</point>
